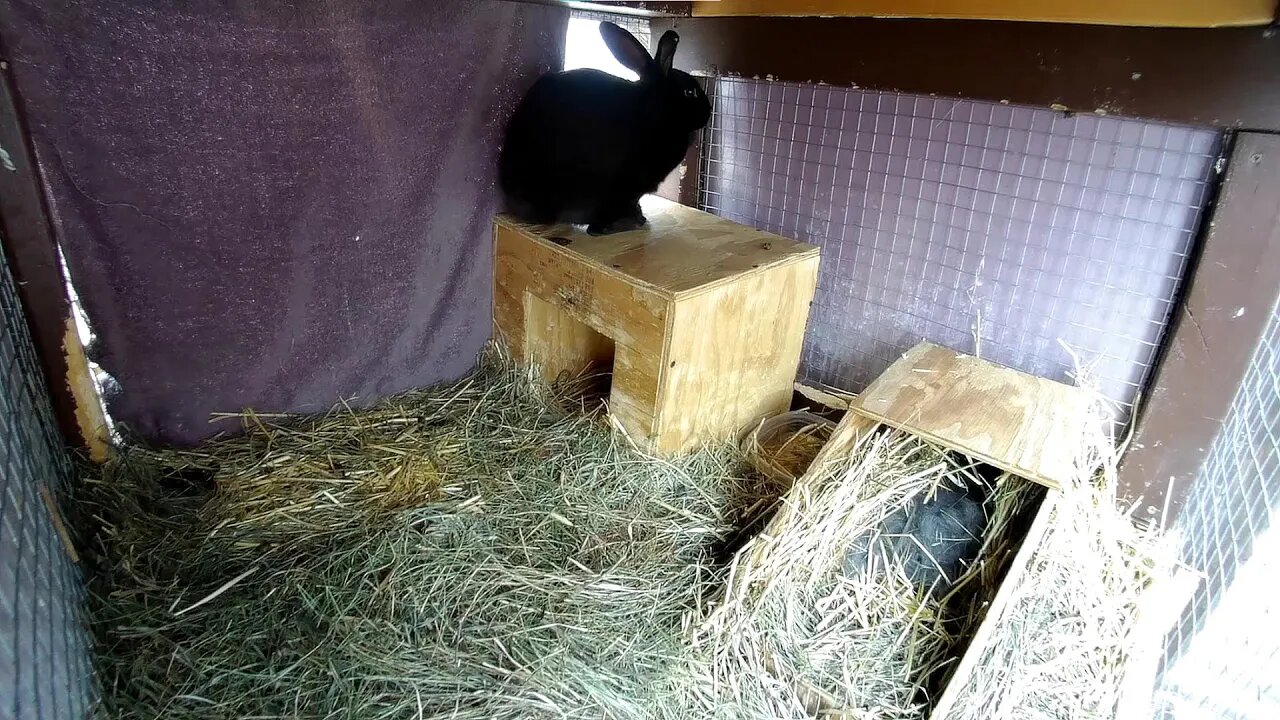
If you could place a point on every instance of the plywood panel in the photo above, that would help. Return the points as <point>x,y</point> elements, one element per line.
<point>1156,13</point>
<point>704,318</point>
<point>633,396</point>
<point>1017,422</point>
<point>733,352</point>
<point>680,250</point>
<point>628,313</point>
<point>558,343</point>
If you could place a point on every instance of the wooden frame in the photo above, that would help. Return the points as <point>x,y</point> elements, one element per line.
<point>1228,301</point>
<point>1170,13</point>
<point>32,252</point>
<point>1224,77</point>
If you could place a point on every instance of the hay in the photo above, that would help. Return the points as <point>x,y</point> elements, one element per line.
<point>1071,634</point>
<point>477,551</point>
<point>470,552</point>
<point>783,456</point>
<point>797,636</point>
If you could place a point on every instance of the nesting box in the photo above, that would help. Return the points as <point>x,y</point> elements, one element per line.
<point>700,319</point>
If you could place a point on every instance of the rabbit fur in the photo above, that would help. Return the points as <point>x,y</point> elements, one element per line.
<point>584,146</point>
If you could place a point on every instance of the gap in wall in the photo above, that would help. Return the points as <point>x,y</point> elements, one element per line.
<point>584,48</point>
<point>102,381</point>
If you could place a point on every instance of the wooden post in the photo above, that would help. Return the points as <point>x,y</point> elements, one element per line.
<point>32,253</point>
<point>1228,301</point>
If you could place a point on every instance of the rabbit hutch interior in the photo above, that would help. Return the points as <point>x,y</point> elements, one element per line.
<point>716,359</point>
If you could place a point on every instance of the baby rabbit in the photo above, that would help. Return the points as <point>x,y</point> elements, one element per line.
<point>583,146</point>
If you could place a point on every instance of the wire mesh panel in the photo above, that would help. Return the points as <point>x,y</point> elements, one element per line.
<point>988,228</point>
<point>1224,658</point>
<point>584,47</point>
<point>44,654</point>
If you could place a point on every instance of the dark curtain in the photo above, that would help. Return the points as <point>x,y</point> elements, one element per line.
<point>274,205</point>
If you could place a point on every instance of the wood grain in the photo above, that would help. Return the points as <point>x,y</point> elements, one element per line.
<point>826,397</point>
<point>733,352</point>
<point>1014,421</point>
<point>994,616</point>
<point>680,251</point>
<point>702,318</point>
<point>1150,13</point>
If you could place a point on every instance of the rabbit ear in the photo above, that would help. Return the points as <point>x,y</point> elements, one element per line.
<point>666,51</point>
<point>626,48</point>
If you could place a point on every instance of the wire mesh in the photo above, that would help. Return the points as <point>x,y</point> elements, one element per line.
<point>637,25</point>
<point>45,663</point>
<point>1223,659</point>
<point>584,48</point>
<point>989,228</point>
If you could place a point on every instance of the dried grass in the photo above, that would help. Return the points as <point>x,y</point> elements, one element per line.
<point>470,552</point>
<point>1073,630</point>
<point>797,636</point>
<point>477,551</point>
<point>784,456</point>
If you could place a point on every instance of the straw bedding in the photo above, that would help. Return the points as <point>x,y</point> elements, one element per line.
<point>819,639</point>
<point>470,552</point>
<point>1070,643</point>
<point>785,456</point>
<point>480,551</point>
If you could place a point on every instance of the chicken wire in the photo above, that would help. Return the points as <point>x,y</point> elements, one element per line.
<point>44,651</point>
<point>1223,659</point>
<point>1000,230</point>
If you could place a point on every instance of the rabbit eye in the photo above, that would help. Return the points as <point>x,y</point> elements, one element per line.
<point>691,93</point>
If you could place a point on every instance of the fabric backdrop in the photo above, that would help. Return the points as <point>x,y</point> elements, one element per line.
<point>274,205</point>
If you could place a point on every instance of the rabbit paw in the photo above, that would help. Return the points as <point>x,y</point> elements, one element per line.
<point>623,224</point>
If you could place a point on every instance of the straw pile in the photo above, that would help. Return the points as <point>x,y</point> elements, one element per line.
<point>469,552</point>
<point>478,551</point>
<point>797,634</point>
<point>784,456</point>
<point>1072,639</point>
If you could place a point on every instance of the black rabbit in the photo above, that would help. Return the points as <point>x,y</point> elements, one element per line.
<point>583,146</point>
<point>935,539</point>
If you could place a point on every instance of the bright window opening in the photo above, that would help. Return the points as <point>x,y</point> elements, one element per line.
<point>584,48</point>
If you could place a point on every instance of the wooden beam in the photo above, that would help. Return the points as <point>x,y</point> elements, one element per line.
<point>624,7</point>
<point>1226,77</point>
<point>1153,13</point>
<point>32,253</point>
<point>1228,302</point>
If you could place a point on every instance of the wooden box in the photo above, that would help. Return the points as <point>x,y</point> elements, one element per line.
<point>700,319</point>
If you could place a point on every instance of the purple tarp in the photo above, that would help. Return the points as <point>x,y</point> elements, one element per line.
<point>275,205</point>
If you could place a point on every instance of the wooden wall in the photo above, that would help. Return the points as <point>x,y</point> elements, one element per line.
<point>1157,13</point>
<point>1223,77</point>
